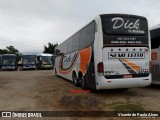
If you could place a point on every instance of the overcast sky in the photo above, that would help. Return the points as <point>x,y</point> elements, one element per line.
<point>30,24</point>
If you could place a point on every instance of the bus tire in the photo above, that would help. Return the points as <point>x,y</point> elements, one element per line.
<point>55,72</point>
<point>83,82</point>
<point>75,80</point>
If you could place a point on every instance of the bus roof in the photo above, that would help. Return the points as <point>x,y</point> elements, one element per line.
<point>122,15</point>
<point>44,54</point>
<point>98,16</point>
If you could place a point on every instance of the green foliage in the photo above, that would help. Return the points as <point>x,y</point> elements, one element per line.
<point>50,48</point>
<point>11,50</point>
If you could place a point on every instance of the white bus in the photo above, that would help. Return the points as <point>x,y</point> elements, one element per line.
<point>112,51</point>
<point>155,46</point>
<point>44,61</point>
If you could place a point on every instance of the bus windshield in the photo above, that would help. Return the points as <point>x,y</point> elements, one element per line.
<point>46,60</point>
<point>0,58</point>
<point>9,60</point>
<point>124,30</point>
<point>29,59</point>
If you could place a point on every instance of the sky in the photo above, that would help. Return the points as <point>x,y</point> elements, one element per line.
<point>28,25</point>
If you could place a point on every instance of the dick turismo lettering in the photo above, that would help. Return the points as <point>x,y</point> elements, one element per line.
<point>126,24</point>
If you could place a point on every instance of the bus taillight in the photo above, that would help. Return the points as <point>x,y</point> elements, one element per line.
<point>100,68</point>
<point>150,66</point>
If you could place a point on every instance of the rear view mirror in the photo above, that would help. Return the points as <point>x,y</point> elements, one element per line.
<point>57,52</point>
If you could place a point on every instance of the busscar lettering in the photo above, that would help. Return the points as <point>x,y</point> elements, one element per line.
<point>67,58</point>
<point>120,22</point>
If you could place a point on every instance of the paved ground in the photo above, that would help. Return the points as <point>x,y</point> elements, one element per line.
<point>42,91</point>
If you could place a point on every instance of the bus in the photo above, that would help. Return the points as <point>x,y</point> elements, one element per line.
<point>44,61</point>
<point>112,51</point>
<point>0,61</point>
<point>29,62</point>
<point>155,55</point>
<point>9,62</point>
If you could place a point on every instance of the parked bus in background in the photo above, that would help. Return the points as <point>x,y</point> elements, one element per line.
<point>112,51</point>
<point>155,45</point>
<point>0,61</point>
<point>44,61</point>
<point>9,62</point>
<point>29,62</point>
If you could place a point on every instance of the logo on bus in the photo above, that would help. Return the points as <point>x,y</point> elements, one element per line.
<point>120,22</point>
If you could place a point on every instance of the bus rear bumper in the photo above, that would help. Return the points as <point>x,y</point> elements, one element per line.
<point>103,83</point>
<point>31,67</point>
<point>8,68</point>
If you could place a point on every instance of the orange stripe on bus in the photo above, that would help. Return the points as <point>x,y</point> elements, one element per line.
<point>85,56</point>
<point>132,65</point>
<point>66,71</point>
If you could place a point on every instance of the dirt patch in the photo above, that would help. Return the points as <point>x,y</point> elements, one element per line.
<point>42,91</point>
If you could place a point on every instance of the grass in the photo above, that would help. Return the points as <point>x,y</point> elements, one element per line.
<point>120,106</point>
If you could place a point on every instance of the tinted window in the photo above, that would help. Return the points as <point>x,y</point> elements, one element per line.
<point>124,25</point>
<point>90,34</point>
<point>46,60</point>
<point>80,40</point>
<point>124,29</point>
<point>155,42</point>
<point>61,48</point>
<point>75,42</point>
<point>83,38</point>
<point>87,35</point>
<point>29,56</point>
<point>69,43</point>
<point>29,59</point>
<point>64,47</point>
<point>9,60</point>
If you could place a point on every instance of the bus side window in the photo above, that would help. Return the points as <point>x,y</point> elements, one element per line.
<point>154,56</point>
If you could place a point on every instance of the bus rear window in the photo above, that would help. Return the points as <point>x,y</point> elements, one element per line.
<point>124,26</point>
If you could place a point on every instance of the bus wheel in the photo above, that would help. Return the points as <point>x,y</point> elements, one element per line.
<point>55,72</point>
<point>83,82</point>
<point>75,80</point>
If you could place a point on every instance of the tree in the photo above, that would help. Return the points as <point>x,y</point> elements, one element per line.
<point>50,48</point>
<point>4,51</point>
<point>11,50</point>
